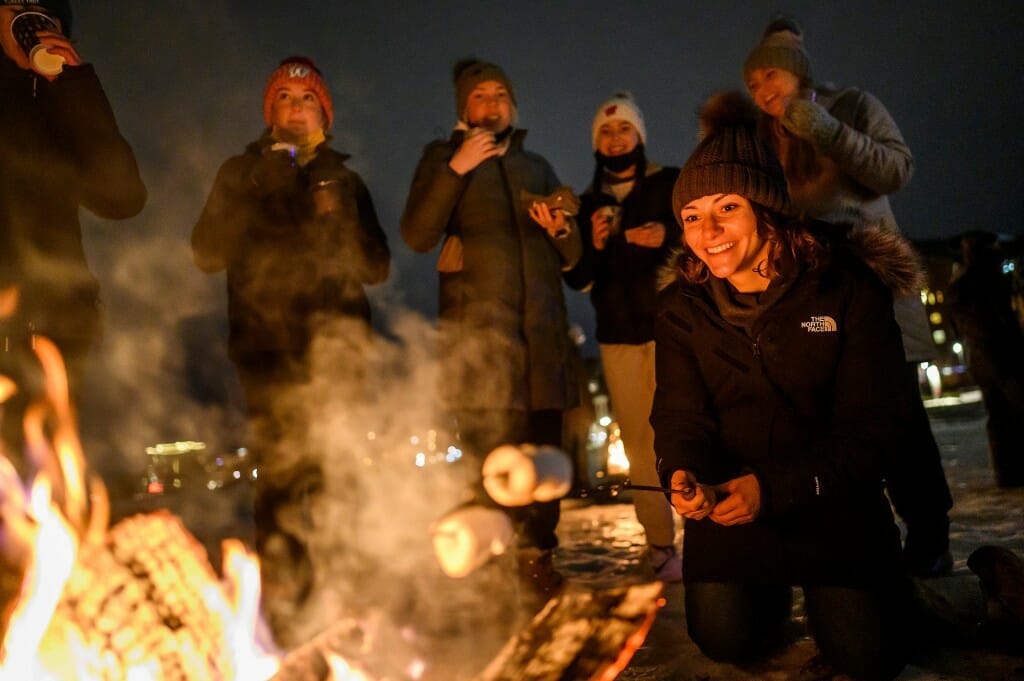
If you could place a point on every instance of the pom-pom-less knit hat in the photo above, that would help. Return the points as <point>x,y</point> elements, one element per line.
<point>781,46</point>
<point>300,70</point>
<point>58,8</point>
<point>731,158</point>
<point>468,73</point>
<point>620,106</point>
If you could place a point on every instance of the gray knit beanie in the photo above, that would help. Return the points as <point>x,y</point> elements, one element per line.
<point>731,158</point>
<point>781,46</point>
<point>468,73</point>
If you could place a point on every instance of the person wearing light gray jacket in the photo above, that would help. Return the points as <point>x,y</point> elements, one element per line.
<point>842,154</point>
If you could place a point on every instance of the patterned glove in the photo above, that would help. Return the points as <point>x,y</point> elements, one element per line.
<point>812,122</point>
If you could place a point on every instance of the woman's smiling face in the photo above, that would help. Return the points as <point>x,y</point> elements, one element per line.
<point>721,230</point>
<point>772,89</point>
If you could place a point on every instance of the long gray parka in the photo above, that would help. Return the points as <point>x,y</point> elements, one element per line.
<point>504,336</point>
<point>813,402</point>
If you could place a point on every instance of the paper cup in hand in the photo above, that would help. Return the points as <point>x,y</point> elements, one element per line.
<point>614,215</point>
<point>24,28</point>
<point>518,476</point>
<point>465,539</point>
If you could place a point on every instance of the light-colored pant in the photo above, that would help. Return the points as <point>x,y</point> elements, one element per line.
<point>629,374</point>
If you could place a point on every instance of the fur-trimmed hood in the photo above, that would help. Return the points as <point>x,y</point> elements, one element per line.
<point>888,254</point>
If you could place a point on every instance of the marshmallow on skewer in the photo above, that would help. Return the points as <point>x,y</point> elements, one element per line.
<point>518,476</point>
<point>466,538</point>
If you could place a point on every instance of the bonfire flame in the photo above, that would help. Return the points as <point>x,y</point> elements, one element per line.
<point>43,532</point>
<point>139,601</point>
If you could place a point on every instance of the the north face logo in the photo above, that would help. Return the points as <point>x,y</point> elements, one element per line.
<point>610,110</point>
<point>820,325</point>
<point>298,71</point>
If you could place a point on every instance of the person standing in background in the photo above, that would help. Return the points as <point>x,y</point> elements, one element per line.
<point>296,231</point>
<point>843,154</point>
<point>504,338</point>
<point>628,231</point>
<point>980,304</point>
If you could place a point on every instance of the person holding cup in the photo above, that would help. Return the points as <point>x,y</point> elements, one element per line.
<point>35,36</point>
<point>504,349</point>
<point>842,154</point>
<point>628,231</point>
<point>60,151</point>
<point>298,236</point>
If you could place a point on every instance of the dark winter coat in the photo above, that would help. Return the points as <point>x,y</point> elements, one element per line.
<point>287,268</point>
<point>813,402</point>
<point>622,278</point>
<point>60,150</point>
<point>504,336</point>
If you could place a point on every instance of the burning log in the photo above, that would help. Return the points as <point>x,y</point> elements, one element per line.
<point>315,660</point>
<point>580,635</point>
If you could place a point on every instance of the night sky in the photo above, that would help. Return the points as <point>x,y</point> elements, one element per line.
<point>186,81</point>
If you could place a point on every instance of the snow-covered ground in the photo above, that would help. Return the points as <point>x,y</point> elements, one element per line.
<point>602,545</point>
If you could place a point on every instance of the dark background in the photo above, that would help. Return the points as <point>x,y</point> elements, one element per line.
<point>186,81</point>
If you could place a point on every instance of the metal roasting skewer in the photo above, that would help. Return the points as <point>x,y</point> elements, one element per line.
<point>615,489</point>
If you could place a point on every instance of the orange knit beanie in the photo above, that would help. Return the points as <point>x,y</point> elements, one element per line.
<point>301,70</point>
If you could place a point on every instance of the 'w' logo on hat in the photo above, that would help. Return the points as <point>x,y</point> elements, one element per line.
<point>610,110</point>
<point>298,71</point>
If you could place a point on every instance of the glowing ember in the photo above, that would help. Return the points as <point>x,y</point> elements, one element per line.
<point>342,670</point>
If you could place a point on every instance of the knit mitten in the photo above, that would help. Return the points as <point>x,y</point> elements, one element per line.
<point>812,122</point>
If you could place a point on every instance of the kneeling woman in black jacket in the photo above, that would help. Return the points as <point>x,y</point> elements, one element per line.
<point>779,400</point>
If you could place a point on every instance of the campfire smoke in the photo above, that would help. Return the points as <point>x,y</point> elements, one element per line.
<point>139,600</point>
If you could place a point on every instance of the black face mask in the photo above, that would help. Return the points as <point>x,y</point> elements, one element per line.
<point>617,164</point>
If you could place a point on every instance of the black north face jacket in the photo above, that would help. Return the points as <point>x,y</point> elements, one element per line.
<point>812,401</point>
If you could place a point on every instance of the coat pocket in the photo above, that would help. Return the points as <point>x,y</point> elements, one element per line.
<point>450,259</point>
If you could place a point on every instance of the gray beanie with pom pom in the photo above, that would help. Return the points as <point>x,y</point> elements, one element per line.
<point>781,46</point>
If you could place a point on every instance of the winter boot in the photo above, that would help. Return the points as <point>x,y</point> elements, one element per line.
<point>926,548</point>
<point>666,563</point>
